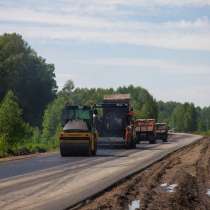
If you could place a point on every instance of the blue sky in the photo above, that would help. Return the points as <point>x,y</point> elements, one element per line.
<point>161,45</point>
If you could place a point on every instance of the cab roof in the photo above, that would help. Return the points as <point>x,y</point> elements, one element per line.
<point>117,97</point>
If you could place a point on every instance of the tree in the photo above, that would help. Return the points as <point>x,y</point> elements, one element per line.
<point>27,75</point>
<point>165,110</point>
<point>203,118</point>
<point>52,119</point>
<point>144,104</point>
<point>12,126</point>
<point>148,110</point>
<point>68,87</point>
<point>184,118</point>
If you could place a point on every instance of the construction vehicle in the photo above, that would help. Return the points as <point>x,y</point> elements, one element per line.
<point>116,126</point>
<point>145,130</point>
<point>162,131</point>
<point>79,135</point>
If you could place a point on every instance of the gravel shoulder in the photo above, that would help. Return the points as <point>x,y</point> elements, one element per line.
<point>180,181</point>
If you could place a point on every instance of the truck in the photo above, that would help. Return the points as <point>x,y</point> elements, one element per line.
<point>145,130</point>
<point>162,131</point>
<point>79,134</point>
<point>116,121</point>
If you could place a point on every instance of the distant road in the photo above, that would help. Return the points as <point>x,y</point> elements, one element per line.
<point>52,182</point>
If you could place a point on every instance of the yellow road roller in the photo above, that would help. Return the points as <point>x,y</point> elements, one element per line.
<point>79,135</point>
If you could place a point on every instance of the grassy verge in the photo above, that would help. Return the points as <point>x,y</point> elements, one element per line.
<point>203,133</point>
<point>27,148</point>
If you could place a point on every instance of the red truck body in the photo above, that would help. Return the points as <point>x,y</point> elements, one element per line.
<point>145,130</point>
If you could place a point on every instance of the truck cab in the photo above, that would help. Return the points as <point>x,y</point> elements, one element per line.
<point>162,131</point>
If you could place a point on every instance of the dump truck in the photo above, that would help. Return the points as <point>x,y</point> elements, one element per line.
<point>79,135</point>
<point>115,125</point>
<point>162,131</point>
<point>145,130</point>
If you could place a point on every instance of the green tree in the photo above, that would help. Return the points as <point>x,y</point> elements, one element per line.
<point>144,104</point>
<point>68,88</point>
<point>165,110</point>
<point>27,75</point>
<point>52,120</point>
<point>12,126</point>
<point>203,118</point>
<point>184,118</point>
<point>148,110</point>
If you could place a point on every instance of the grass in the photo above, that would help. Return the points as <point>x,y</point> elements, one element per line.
<point>203,133</point>
<point>27,148</point>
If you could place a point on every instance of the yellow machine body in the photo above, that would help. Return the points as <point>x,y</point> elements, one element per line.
<point>79,138</point>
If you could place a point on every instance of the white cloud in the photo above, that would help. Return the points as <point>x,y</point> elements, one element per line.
<point>112,3</point>
<point>165,66</point>
<point>182,34</point>
<point>165,38</point>
<point>114,21</point>
<point>162,2</point>
<point>32,16</point>
<point>99,6</point>
<point>77,23</point>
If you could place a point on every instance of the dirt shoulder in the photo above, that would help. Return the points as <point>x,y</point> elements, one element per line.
<point>180,181</point>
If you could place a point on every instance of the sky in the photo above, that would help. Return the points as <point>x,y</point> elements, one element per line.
<point>161,45</point>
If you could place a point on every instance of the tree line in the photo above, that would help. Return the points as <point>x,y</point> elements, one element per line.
<point>184,117</point>
<point>31,105</point>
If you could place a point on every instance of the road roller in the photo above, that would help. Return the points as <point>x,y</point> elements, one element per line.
<point>79,134</point>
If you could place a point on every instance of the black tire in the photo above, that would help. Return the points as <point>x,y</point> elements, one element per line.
<point>63,151</point>
<point>165,138</point>
<point>152,139</point>
<point>134,143</point>
<point>131,144</point>
<point>95,149</point>
<point>138,138</point>
<point>89,152</point>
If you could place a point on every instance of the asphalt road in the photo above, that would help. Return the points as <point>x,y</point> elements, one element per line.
<point>52,182</point>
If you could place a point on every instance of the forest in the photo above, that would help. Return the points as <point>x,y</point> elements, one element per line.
<point>31,104</point>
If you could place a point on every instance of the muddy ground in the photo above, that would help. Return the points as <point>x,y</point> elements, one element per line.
<point>179,182</point>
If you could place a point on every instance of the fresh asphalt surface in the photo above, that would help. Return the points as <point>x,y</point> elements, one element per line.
<point>19,167</point>
<point>53,182</point>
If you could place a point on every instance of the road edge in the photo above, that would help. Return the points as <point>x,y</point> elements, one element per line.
<point>24,157</point>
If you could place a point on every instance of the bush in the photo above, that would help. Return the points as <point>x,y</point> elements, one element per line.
<point>13,130</point>
<point>52,121</point>
<point>3,149</point>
